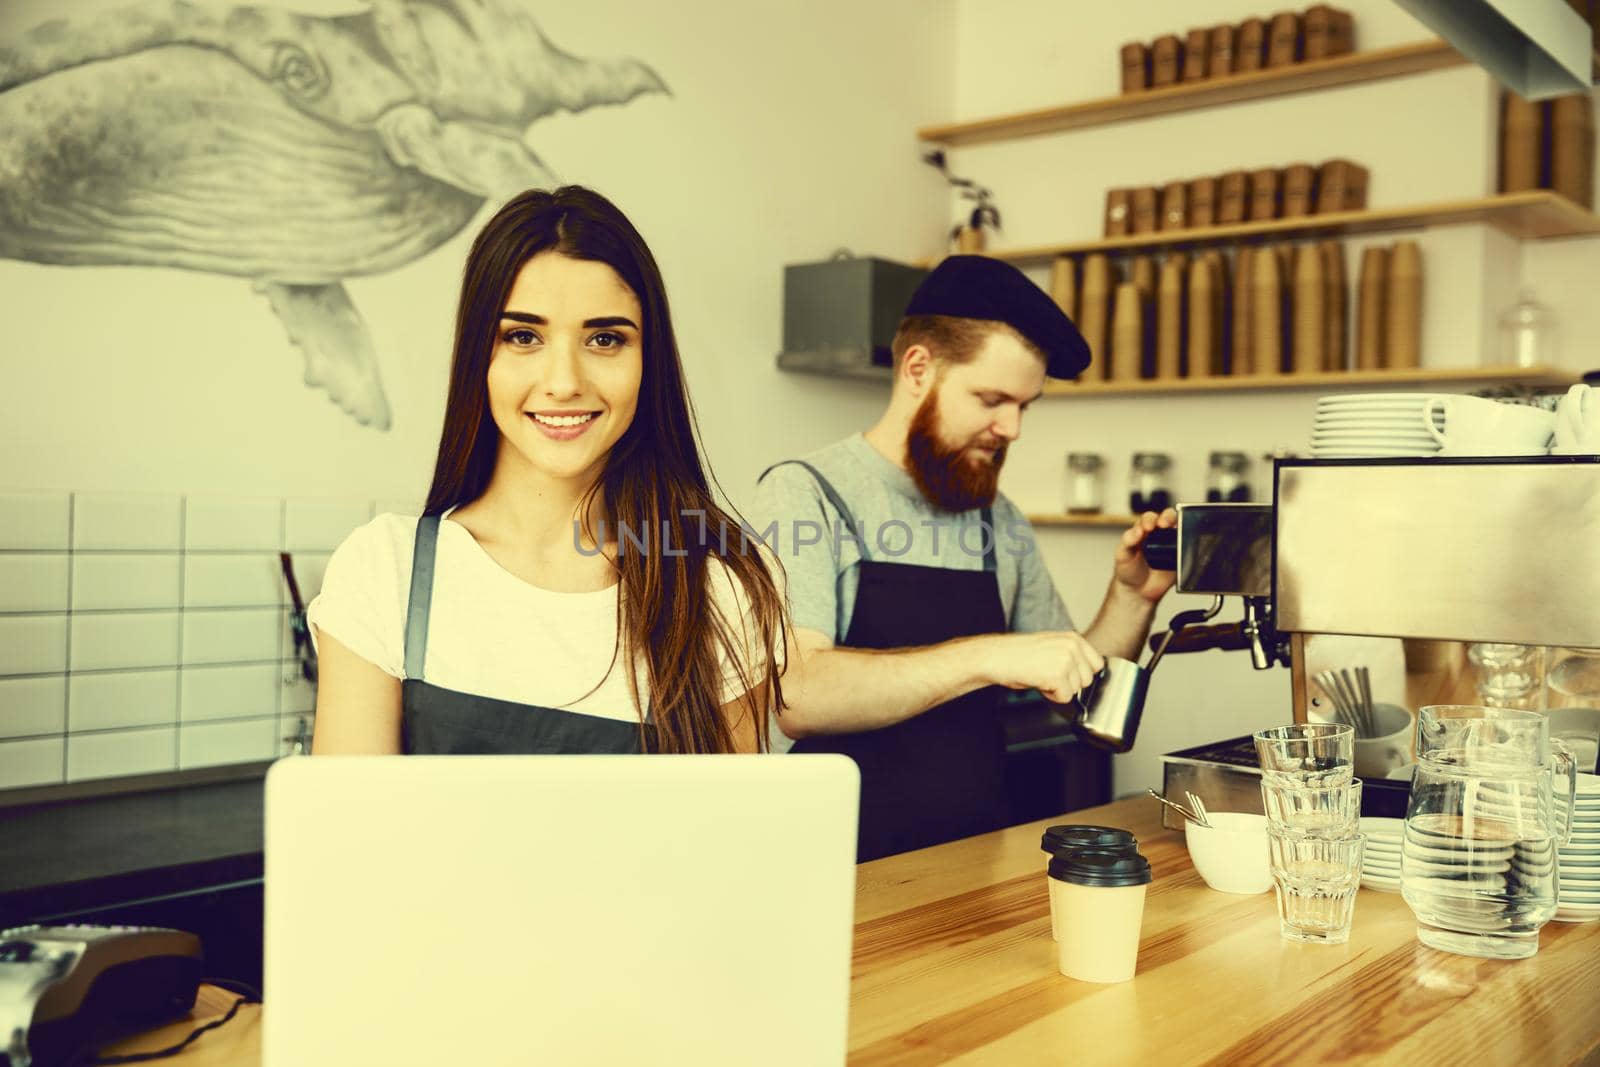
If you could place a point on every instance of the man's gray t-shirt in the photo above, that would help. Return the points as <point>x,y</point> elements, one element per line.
<point>896,524</point>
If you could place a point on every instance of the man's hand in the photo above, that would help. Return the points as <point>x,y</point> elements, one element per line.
<point>1131,571</point>
<point>1058,664</point>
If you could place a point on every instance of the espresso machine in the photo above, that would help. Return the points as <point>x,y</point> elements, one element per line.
<point>1436,552</point>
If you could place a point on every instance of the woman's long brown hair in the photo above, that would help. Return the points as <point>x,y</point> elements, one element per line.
<point>653,480</point>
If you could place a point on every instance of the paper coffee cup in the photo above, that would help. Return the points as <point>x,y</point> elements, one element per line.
<point>1099,894</point>
<point>1070,836</point>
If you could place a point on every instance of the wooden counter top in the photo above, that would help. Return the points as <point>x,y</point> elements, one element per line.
<point>954,963</point>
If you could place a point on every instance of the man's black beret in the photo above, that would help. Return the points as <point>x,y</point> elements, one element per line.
<point>978,287</point>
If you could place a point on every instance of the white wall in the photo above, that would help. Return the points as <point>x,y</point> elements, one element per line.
<point>1424,138</point>
<point>789,132</point>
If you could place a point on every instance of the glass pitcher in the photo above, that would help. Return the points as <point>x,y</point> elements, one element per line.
<point>1478,860</point>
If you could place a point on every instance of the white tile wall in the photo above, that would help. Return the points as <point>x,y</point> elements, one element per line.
<point>120,581</point>
<point>297,694</point>
<point>146,633</point>
<point>246,636</point>
<point>35,520</point>
<point>33,581</point>
<point>233,524</point>
<point>120,699</point>
<point>127,521</point>
<point>320,525</point>
<point>233,581</point>
<point>33,644</point>
<point>34,762</point>
<point>33,706</point>
<point>309,567</point>
<point>230,692</point>
<point>136,639</point>
<point>211,744</point>
<point>121,752</point>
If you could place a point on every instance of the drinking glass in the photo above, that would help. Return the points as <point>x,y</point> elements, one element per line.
<point>1329,810</point>
<point>1317,879</point>
<point>1307,753</point>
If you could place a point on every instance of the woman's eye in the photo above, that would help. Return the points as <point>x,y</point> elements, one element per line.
<point>521,338</point>
<point>608,340</point>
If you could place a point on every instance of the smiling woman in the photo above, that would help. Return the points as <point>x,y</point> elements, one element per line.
<point>505,619</point>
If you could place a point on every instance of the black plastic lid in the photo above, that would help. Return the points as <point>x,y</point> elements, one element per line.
<point>1101,867</point>
<point>1071,836</point>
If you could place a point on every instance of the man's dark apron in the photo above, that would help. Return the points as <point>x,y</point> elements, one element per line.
<point>940,775</point>
<point>439,721</point>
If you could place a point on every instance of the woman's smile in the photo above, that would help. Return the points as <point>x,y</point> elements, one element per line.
<point>563,425</point>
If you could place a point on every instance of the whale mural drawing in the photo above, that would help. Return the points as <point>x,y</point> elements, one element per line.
<point>290,150</point>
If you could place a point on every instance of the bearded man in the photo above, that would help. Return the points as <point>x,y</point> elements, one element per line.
<point>916,588</point>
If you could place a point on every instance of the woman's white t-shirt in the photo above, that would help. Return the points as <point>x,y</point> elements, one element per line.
<point>491,633</point>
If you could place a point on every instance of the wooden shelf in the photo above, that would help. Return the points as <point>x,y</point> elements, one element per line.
<point>1103,520</point>
<point>1541,376</point>
<point>1537,214</point>
<point>1253,85</point>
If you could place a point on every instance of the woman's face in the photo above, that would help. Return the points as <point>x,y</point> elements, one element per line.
<point>565,371</point>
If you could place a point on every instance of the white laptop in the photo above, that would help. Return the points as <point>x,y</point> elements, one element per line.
<point>562,910</point>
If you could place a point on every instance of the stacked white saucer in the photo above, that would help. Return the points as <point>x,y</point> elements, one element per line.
<point>1578,861</point>
<point>1373,425</point>
<point>1380,864</point>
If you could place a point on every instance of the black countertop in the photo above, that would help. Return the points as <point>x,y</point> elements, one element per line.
<point>76,855</point>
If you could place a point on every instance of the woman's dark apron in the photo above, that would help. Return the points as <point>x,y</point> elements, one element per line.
<point>937,776</point>
<point>437,721</point>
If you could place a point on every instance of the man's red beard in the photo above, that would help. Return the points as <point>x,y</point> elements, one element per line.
<point>951,478</point>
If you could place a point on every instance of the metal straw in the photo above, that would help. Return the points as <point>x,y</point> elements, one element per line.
<point>1179,808</point>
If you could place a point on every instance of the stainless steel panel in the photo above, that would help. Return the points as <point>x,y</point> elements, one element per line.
<point>1225,549</point>
<point>1472,551</point>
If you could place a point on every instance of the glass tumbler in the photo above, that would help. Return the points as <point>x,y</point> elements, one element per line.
<point>1307,753</point>
<point>1317,880</point>
<point>1328,810</point>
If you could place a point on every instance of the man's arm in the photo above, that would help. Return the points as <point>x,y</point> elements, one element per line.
<point>830,690</point>
<point>1123,622</point>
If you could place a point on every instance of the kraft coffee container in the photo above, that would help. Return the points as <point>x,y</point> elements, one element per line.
<point>1119,212</point>
<point>1265,193</point>
<point>1196,54</point>
<point>1099,895</point>
<point>1175,206</point>
<point>1283,40</point>
<point>1203,202</point>
<point>1341,186</point>
<point>1146,208</point>
<point>1166,61</point>
<point>1299,181</point>
<point>1250,47</point>
<point>1135,67</point>
<point>1233,196</point>
<point>1328,32</point>
<point>1220,60</point>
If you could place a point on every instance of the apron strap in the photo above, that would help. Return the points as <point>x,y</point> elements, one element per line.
<point>422,554</point>
<point>832,494</point>
<point>991,562</point>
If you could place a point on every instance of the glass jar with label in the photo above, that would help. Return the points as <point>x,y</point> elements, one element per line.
<point>1227,478</point>
<point>1149,482</point>
<point>1085,483</point>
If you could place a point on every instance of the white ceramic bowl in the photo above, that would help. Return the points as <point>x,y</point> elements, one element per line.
<point>1232,854</point>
